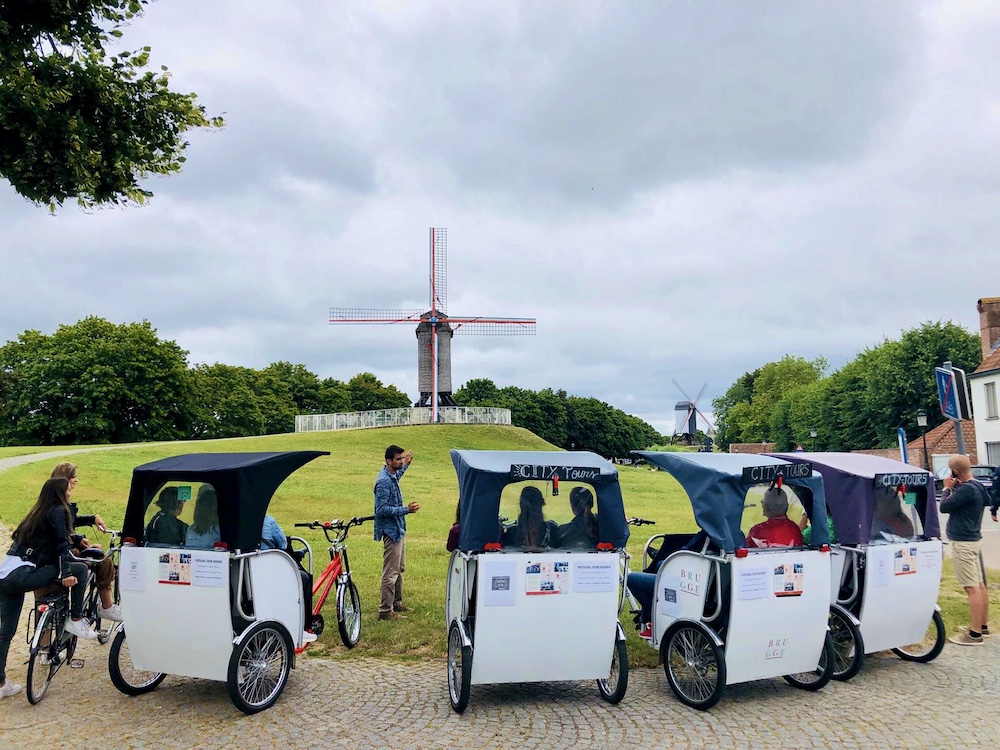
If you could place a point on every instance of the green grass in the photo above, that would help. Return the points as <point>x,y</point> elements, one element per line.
<point>340,486</point>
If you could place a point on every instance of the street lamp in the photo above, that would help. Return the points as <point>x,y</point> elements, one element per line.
<point>922,424</point>
<point>812,434</point>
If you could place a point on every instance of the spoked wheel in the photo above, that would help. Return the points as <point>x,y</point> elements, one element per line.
<point>40,675</point>
<point>816,678</point>
<point>349,614</point>
<point>318,623</point>
<point>259,666</point>
<point>459,669</point>
<point>848,645</point>
<point>695,666</point>
<point>123,672</point>
<point>927,649</point>
<point>613,688</point>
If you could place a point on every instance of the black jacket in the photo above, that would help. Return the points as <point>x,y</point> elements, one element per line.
<point>49,545</point>
<point>964,506</point>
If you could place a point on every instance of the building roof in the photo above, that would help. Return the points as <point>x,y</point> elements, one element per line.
<point>990,363</point>
<point>941,440</point>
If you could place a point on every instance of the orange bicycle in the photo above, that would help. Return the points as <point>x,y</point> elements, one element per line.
<point>339,572</point>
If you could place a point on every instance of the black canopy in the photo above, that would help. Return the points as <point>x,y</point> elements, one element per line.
<point>243,482</point>
<point>482,475</point>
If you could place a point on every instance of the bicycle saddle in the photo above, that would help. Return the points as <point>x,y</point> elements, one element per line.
<point>91,554</point>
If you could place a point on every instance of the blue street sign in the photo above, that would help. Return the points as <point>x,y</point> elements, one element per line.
<point>947,392</point>
<point>901,435</point>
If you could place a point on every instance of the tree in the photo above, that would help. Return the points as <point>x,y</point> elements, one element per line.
<point>93,382</point>
<point>239,401</point>
<point>367,393</point>
<point>76,122</point>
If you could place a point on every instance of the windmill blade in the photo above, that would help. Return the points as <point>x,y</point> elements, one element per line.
<point>700,394</point>
<point>373,315</point>
<point>493,326</point>
<point>707,420</point>
<point>678,386</point>
<point>439,269</point>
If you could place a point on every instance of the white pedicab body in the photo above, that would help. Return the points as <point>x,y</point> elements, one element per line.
<point>887,582</point>
<point>531,616</point>
<point>233,614</point>
<point>723,614</point>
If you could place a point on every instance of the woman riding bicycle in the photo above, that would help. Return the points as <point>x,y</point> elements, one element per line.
<point>39,556</point>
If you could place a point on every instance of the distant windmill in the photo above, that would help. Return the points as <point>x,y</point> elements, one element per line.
<point>686,415</point>
<point>435,328</point>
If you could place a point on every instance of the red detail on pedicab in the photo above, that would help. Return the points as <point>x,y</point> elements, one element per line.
<point>492,546</point>
<point>129,540</point>
<point>220,545</point>
<point>824,548</point>
<point>604,546</point>
<point>743,551</point>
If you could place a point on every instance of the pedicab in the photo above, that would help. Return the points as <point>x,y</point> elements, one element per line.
<point>211,605</point>
<point>535,614</point>
<point>723,614</point>
<point>886,564</point>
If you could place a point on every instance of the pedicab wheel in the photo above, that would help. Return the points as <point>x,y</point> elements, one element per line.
<point>816,678</point>
<point>695,666</point>
<point>613,687</point>
<point>259,666</point>
<point>848,645</point>
<point>318,623</point>
<point>349,614</point>
<point>927,649</point>
<point>459,670</point>
<point>123,672</point>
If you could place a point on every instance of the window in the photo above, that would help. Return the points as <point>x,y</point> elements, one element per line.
<point>991,401</point>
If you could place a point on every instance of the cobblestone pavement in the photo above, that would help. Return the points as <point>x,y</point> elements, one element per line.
<point>370,703</point>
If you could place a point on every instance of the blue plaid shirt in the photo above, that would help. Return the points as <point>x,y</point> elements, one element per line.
<point>390,512</point>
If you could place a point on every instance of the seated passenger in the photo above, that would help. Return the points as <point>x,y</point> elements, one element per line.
<point>165,527</point>
<point>204,529</point>
<point>271,535</point>
<point>889,517</point>
<point>806,528</point>
<point>778,530</point>
<point>531,529</point>
<point>581,532</point>
<point>452,544</point>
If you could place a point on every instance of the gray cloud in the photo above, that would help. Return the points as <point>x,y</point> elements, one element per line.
<point>800,178</point>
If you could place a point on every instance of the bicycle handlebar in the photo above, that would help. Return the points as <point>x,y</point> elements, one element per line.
<point>336,525</point>
<point>640,522</point>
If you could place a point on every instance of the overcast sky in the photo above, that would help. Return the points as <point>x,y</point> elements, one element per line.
<point>676,189</point>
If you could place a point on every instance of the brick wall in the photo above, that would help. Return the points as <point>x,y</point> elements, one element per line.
<point>752,447</point>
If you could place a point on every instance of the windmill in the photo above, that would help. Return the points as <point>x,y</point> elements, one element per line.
<point>435,328</point>
<point>686,415</point>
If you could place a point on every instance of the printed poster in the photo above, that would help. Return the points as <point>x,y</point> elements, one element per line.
<point>752,583</point>
<point>880,562</point>
<point>930,558</point>
<point>175,568</point>
<point>546,578</point>
<point>132,571</point>
<point>208,569</point>
<point>669,604</point>
<point>788,579</point>
<point>595,574</point>
<point>905,561</point>
<point>498,580</point>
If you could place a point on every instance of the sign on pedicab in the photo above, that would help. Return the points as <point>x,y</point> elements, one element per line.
<point>524,472</point>
<point>762,474</point>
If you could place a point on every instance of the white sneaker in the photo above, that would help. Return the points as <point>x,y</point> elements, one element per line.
<point>113,613</point>
<point>79,629</point>
<point>308,637</point>
<point>8,689</point>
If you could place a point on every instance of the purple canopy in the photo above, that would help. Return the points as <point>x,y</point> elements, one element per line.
<point>851,481</point>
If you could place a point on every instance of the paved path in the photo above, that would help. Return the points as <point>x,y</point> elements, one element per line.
<point>373,703</point>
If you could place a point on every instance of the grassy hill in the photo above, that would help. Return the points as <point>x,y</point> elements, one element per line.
<point>340,485</point>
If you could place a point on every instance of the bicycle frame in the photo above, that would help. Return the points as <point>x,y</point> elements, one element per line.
<point>338,569</point>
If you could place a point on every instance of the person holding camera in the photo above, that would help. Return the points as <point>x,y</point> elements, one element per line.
<point>963,500</point>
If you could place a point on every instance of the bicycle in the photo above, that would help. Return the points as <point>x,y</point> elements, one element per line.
<point>339,572</point>
<point>92,601</point>
<point>50,646</point>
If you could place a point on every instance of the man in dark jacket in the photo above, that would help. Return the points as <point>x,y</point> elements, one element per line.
<point>963,500</point>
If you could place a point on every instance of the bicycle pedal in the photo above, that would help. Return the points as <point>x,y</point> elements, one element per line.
<point>76,663</point>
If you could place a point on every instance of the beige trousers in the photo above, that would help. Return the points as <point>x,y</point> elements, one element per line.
<point>393,565</point>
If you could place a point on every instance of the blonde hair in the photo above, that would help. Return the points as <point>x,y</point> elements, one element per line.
<point>65,469</point>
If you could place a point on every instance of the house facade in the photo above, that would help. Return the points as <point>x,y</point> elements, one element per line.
<point>984,384</point>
